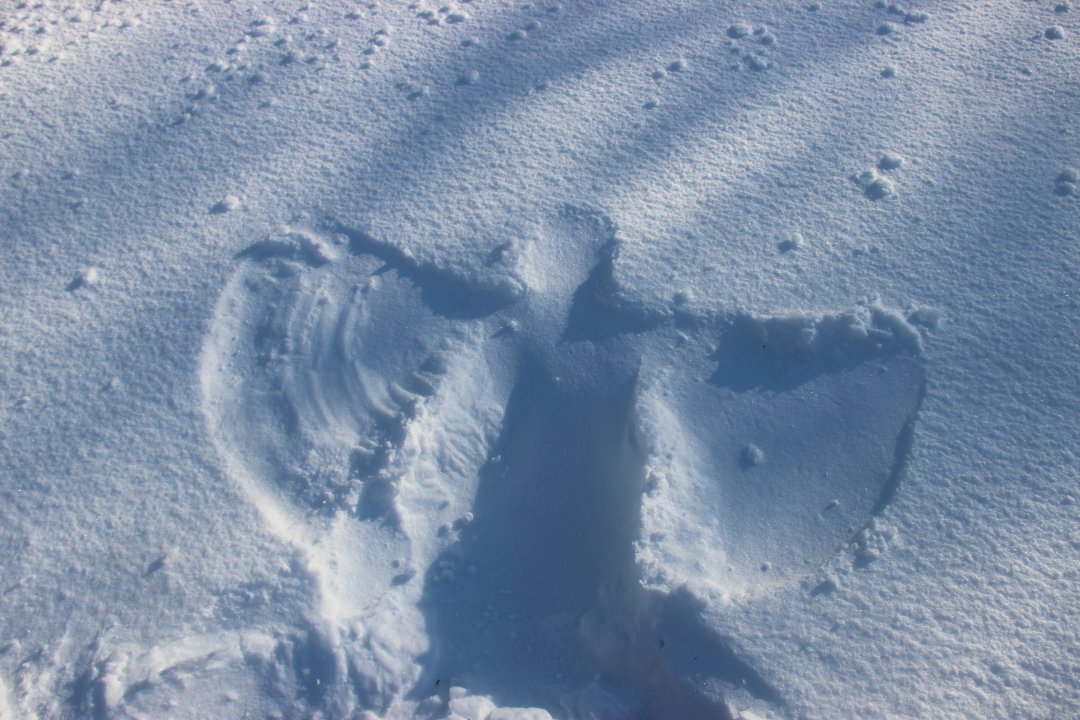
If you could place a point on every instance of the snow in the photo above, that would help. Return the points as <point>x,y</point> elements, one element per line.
<point>539,360</point>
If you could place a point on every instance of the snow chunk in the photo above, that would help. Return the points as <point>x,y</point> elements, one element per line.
<point>739,30</point>
<point>890,161</point>
<point>751,455</point>
<point>226,204</point>
<point>469,77</point>
<point>874,185</point>
<point>1066,181</point>
<point>84,279</point>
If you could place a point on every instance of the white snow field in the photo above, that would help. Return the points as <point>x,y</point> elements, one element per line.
<point>596,359</point>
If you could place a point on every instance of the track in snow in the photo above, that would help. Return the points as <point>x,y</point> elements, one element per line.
<point>511,479</point>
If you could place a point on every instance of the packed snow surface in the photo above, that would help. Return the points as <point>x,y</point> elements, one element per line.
<point>527,360</point>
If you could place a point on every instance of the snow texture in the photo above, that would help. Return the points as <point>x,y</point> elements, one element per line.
<point>534,361</point>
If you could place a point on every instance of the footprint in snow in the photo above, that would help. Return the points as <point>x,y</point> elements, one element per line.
<point>529,478</point>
